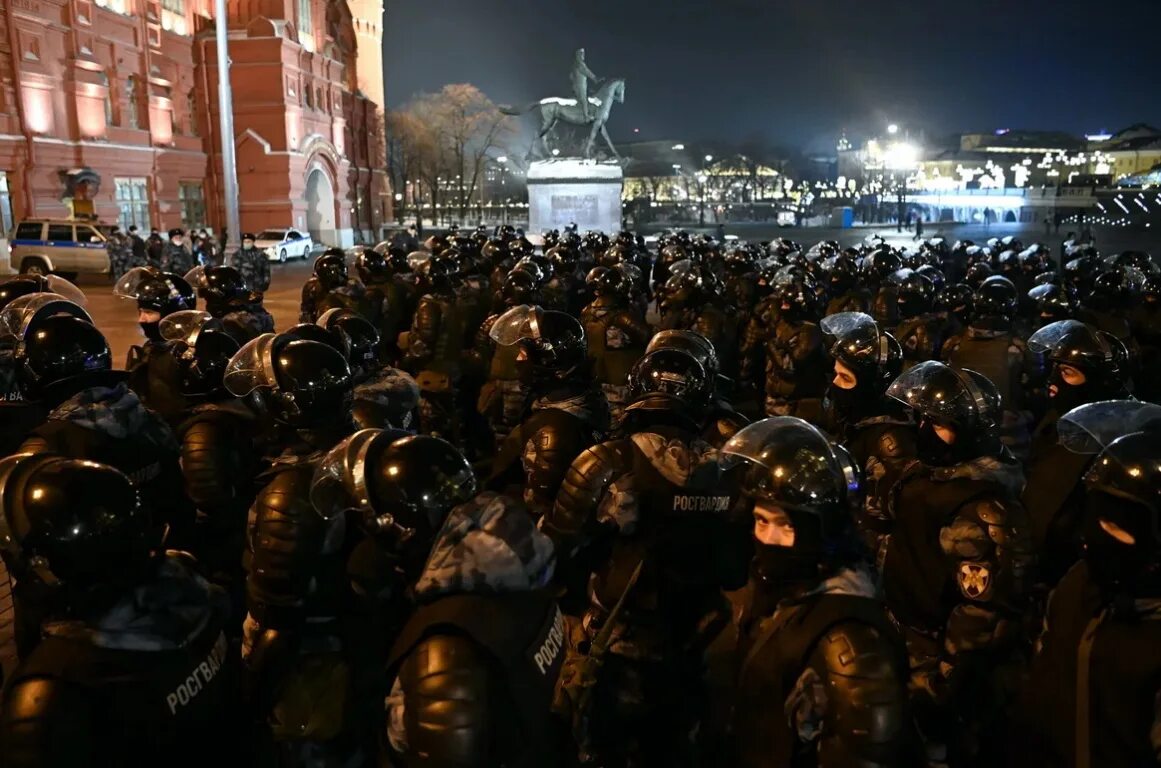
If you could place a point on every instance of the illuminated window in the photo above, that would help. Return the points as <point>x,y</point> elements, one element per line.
<point>193,204</point>
<point>5,205</point>
<point>131,102</point>
<point>132,196</point>
<point>108,99</point>
<point>305,24</point>
<point>308,97</point>
<point>174,6</point>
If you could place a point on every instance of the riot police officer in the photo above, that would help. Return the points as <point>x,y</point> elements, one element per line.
<point>220,449</point>
<point>384,397</point>
<point>502,396</point>
<point>877,431</point>
<point>89,412</point>
<point>616,334</point>
<point>691,300</point>
<point>843,291</point>
<point>920,330</point>
<point>794,353</point>
<point>229,299</point>
<point>813,619</point>
<point>390,295</point>
<point>176,256</point>
<point>252,264</point>
<point>296,579</point>
<point>722,420</point>
<point>435,346</point>
<point>152,369</point>
<point>11,290</point>
<point>991,346</point>
<point>1146,323</point>
<point>1093,686</point>
<point>1084,365</point>
<point>957,565</point>
<point>132,667</point>
<point>657,501</point>
<point>564,413</point>
<point>330,287</point>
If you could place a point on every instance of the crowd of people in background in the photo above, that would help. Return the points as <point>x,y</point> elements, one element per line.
<point>587,502</point>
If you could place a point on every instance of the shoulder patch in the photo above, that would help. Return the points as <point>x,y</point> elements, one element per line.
<point>975,580</point>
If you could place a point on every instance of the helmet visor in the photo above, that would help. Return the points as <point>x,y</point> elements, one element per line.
<point>183,326</point>
<point>856,333</point>
<point>22,312</point>
<point>801,467</point>
<point>339,481</point>
<point>129,286</point>
<point>520,322</point>
<point>252,367</point>
<point>1089,428</point>
<point>936,391</point>
<point>196,277</point>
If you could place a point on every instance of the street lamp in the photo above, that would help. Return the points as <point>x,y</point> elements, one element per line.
<point>701,179</point>
<point>900,157</point>
<point>892,129</point>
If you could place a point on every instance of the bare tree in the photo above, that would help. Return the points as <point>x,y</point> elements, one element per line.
<point>444,140</point>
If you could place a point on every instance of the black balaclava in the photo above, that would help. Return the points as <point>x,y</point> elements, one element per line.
<point>1130,570</point>
<point>152,331</point>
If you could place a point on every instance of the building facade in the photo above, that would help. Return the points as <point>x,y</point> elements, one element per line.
<point>122,96</point>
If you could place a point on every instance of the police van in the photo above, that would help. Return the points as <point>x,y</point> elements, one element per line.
<point>62,246</point>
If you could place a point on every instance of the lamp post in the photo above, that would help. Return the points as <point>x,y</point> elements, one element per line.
<point>900,158</point>
<point>701,179</point>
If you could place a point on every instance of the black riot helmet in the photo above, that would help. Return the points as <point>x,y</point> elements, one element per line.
<point>402,487</point>
<point>1151,290</point>
<point>790,468</point>
<point>842,273</point>
<point>798,297</point>
<point>995,303</point>
<point>202,348</point>
<point>373,265</point>
<point>977,273</point>
<point>156,291</point>
<point>1114,289</point>
<point>691,342</point>
<point>880,264</point>
<point>23,285</point>
<point>1122,507</point>
<point>675,376</point>
<point>53,339</point>
<point>956,301</point>
<point>793,466</point>
<point>1051,303</point>
<point>873,355</point>
<point>71,523</point>
<point>331,269</point>
<point>1099,356</point>
<point>223,288</point>
<point>962,400</point>
<point>935,275</point>
<point>520,288</point>
<point>359,336</point>
<point>604,281</point>
<point>303,384</point>
<point>552,344</point>
<point>916,293</point>
<point>564,260</point>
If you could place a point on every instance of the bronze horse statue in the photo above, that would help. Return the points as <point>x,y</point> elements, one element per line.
<point>553,110</point>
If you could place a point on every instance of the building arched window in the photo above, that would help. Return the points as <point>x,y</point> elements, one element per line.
<point>104,79</point>
<point>131,119</point>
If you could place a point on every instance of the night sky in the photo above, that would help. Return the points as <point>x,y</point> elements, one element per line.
<point>796,72</point>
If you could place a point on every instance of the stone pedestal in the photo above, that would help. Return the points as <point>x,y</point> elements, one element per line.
<point>584,192</point>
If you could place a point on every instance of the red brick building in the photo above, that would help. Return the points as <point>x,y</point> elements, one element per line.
<point>128,89</point>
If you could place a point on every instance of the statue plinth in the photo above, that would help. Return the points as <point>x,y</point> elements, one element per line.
<point>565,191</point>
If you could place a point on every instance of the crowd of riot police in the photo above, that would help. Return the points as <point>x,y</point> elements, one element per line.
<point>589,502</point>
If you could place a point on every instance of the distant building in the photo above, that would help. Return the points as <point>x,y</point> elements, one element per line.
<point>122,95</point>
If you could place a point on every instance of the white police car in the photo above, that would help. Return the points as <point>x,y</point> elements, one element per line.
<point>284,244</point>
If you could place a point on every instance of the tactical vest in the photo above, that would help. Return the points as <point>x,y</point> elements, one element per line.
<point>775,659</point>
<point>612,352</point>
<point>917,582</point>
<point>989,357</point>
<point>156,379</point>
<point>169,707</point>
<point>691,546</point>
<point>449,342</point>
<point>919,338</point>
<point>1118,658</point>
<point>523,636</point>
<point>503,365</point>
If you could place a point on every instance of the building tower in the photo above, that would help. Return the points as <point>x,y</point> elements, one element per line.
<point>367,16</point>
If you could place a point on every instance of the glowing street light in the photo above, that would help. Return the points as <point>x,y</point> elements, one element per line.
<point>901,156</point>
<point>892,129</point>
<point>709,158</point>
